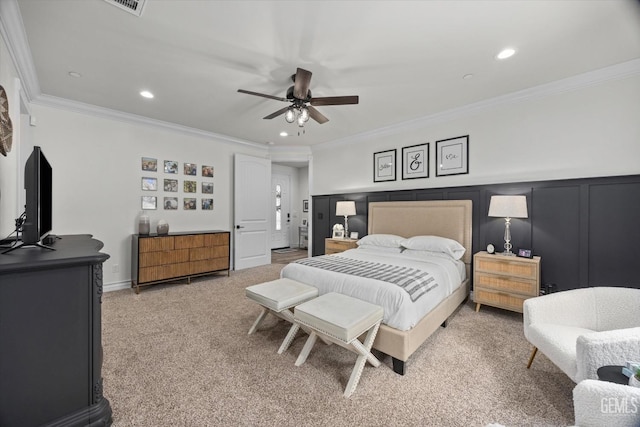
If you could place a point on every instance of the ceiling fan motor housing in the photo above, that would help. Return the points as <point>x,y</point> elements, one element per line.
<point>290,95</point>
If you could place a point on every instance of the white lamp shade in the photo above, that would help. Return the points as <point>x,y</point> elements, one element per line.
<point>508,206</point>
<point>347,208</point>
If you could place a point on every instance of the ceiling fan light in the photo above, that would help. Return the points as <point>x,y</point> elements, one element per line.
<point>290,116</point>
<point>304,114</point>
<point>300,120</point>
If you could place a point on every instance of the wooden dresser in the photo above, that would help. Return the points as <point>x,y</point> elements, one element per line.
<point>334,246</point>
<point>504,281</point>
<point>157,259</point>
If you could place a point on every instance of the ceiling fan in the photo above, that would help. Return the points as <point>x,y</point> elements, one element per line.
<point>299,96</point>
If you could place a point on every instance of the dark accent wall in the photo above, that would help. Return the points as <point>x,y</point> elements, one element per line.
<point>587,231</point>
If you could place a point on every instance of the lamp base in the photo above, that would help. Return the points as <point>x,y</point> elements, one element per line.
<point>506,253</point>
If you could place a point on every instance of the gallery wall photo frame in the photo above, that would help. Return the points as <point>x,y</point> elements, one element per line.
<point>452,156</point>
<point>415,161</point>
<point>149,184</point>
<point>149,164</point>
<point>384,166</point>
<point>149,202</point>
<point>305,205</point>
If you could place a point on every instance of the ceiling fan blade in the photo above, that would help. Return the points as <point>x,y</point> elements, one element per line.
<point>317,115</point>
<point>277,98</point>
<point>334,100</point>
<point>277,113</point>
<point>301,83</point>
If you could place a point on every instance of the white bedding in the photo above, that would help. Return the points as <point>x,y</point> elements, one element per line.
<point>399,311</point>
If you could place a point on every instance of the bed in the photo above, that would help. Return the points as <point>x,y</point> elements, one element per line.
<point>448,219</point>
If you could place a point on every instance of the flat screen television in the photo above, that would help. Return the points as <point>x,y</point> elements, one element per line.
<point>38,202</point>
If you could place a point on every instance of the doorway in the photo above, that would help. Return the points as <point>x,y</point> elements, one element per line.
<point>281,210</point>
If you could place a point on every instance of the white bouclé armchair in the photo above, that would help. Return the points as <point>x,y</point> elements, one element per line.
<point>581,330</point>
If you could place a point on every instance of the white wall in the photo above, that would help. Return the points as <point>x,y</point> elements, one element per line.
<point>9,165</point>
<point>97,179</point>
<point>587,132</point>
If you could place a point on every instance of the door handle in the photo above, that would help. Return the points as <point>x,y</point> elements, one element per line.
<point>239,227</point>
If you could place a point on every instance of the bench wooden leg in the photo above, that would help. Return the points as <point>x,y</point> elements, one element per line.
<point>364,349</point>
<point>307,348</point>
<point>533,354</point>
<point>287,340</point>
<point>259,320</point>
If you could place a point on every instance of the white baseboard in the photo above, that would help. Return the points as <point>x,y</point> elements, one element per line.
<point>116,286</point>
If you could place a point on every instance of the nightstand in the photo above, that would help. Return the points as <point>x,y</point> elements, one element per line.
<point>334,246</point>
<point>504,281</point>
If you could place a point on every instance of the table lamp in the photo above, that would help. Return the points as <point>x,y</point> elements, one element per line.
<point>508,207</point>
<point>346,209</point>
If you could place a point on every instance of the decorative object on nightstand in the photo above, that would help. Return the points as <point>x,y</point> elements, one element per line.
<point>504,282</point>
<point>143,224</point>
<point>346,209</point>
<point>508,207</point>
<point>163,227</point>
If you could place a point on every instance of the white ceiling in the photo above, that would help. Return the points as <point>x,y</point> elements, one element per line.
<point>406,60</point>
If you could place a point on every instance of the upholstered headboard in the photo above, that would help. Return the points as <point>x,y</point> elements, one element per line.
<point>444,218</point>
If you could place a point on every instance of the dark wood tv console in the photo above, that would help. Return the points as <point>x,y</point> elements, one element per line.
<point>51,335</point>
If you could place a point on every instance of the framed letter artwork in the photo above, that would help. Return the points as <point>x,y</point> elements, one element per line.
<point>384,166</point>
<point>415,161</point>
<point>452,156</point>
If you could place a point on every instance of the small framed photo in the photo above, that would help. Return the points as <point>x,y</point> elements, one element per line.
<point>353,235</point>
<point>170,203</point>
<point>189,204</point>
<point>525,253</point>
<point>171,185</point>
<point>149,164</point>
<point>384,166</point>
<point>207,187</point>
<point>190,169</point>
<point>415,161</point>
<point>207,171</point>
<point>149,184</point>
<point>305,206</point>
<point>207,204</point>
<point>452,156</point>
<point>149,202</point>
<point>170,166</point>
<point>338,234</point>
<point>190,186</point>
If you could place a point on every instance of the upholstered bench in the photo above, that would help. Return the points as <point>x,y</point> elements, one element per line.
<point>278,297</point>
<point>341,319</point>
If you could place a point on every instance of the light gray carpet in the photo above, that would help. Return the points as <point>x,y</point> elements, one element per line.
<point>179,355</point>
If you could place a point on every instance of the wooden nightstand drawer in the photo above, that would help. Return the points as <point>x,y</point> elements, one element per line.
<point>333,246</point>
<point>503,265</point>
<point>502,283</point>
<point>499,299</point>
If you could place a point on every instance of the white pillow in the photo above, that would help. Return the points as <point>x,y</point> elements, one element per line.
<point>435,244</point>
<point>425,254</point>
<point>385,249</point>
<point>386,240</point>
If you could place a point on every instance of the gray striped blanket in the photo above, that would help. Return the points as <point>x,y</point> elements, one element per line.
<point>415,282</point>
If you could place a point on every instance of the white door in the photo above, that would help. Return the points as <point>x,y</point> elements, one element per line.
<point>280,210</point>
<point>252,211</point>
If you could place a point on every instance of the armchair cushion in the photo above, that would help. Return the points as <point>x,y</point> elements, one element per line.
<point>601,403</point>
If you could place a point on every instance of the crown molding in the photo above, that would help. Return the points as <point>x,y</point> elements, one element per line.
<point>580,81</point>
<point>82,108</point>
<point>12,31</point>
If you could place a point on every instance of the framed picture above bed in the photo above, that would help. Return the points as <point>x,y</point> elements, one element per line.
<point>415,161</point>
<point>452,156</point>
<point>384,166</point>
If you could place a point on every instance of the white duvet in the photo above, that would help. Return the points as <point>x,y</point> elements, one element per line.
<point>399,311</point>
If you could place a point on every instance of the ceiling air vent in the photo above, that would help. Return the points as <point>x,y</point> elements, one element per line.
<point>132,6</point>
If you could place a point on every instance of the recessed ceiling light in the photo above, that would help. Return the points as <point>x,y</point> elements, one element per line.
<point>74,74</point>
<point>467,76</point>
<point>506,53</point>
<point>270,143</point>
<point>146,94</point>
<point>283,133</point>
